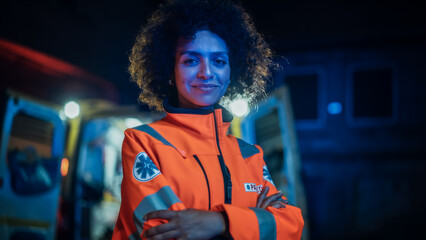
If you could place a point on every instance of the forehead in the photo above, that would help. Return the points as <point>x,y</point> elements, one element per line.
<point>203,41</point>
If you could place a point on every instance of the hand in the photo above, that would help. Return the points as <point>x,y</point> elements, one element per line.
<point>186,224</point>
<point>274,200</point>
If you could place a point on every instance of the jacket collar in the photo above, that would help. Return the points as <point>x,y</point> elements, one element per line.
<point>226,115</point>
<point>201,122</point>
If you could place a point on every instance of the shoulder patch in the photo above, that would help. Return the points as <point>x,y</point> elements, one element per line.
<point>247,150</point>
<point>267,175</point>
<point>144,169</point>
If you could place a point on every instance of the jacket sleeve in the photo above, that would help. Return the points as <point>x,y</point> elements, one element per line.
<point>143,189</point>
<point>263,224</point>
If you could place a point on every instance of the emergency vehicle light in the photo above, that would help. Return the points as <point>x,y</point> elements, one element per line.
<point>239,107</point>
<point>64,166</point>
<point>72,109</point>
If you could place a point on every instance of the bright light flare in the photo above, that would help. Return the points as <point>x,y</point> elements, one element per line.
<point>334,108</point>
<point>239,107</point>
<point>64,166</point>
<point>132,122</point>
<point>72,109</point>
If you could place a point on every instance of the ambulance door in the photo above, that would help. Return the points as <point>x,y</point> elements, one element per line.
<point>32,146</point>
<point>272,127</point>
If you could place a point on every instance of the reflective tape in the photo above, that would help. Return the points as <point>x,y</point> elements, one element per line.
<point>267,225</point>
<point>151,131</point>
<point>163,199</point>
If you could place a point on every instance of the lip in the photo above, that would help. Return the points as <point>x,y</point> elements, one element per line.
<point>205,85</point>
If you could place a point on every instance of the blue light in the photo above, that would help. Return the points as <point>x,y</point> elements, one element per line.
<point>334,108</point>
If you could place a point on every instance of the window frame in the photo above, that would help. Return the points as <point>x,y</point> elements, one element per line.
<point>320,71</point>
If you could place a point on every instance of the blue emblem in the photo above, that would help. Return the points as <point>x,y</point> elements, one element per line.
<point>144,169</point>
<point>267,175</point>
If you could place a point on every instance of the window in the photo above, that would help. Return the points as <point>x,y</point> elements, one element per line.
<point>372,93</point>
<point>29,158</point>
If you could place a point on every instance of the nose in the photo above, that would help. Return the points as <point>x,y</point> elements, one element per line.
<point>205,71</point>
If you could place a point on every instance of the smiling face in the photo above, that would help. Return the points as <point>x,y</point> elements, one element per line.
<point>202,70</point>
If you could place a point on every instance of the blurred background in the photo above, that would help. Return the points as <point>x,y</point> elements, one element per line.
<point>343,128</point>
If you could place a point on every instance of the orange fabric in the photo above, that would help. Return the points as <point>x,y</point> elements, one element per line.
<point>197,134</point>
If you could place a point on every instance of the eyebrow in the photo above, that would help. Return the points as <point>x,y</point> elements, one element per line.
<point>198,53</point>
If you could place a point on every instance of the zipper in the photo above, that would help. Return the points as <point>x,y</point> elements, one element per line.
<point>225,171</point>
<point>205,175</point>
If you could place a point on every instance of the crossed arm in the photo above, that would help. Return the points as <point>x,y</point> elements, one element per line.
<point>270,217</point>
<point>200,224</point>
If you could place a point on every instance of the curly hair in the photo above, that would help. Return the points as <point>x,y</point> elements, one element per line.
<point>152,57</point>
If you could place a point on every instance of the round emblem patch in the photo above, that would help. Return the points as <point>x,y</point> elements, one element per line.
<point>144,169</point>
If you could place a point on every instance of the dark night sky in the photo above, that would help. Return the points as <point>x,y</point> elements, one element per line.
<point>97,35</point>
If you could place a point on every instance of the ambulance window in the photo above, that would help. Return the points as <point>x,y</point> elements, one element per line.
<point>32,168</point>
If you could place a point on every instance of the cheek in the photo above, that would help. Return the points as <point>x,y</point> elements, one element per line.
<point>184,74</point>
<point>180,77</point>
<point>226,77</point>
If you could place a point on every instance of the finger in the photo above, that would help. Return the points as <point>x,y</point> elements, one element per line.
<point>265,191</point>
<point>163,214</point>
<point>262,196</point>
<point>162,228</point>
<point>270,199</point>
<point>283,201</point>
<point>260,200</point>
<point>277,204</point>
<point>277,195</point>
<point>175,234</point>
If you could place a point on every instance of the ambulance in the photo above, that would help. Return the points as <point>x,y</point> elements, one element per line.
<point>60,163</point>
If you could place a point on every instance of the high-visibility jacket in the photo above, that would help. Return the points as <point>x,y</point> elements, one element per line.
<point>187,160</point>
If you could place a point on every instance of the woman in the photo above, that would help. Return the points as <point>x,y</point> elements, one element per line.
<point>184,177</point>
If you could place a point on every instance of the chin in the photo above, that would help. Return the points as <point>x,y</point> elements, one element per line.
<point>205,103</point>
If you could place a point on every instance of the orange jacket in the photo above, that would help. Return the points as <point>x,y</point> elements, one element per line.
<point>186,160</point>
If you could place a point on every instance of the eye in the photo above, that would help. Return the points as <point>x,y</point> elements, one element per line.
<point>220,62</point>
<point>190,61</point>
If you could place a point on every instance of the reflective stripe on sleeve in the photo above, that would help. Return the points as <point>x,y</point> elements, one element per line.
<point>161,200</point>
<point>267,225</point>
